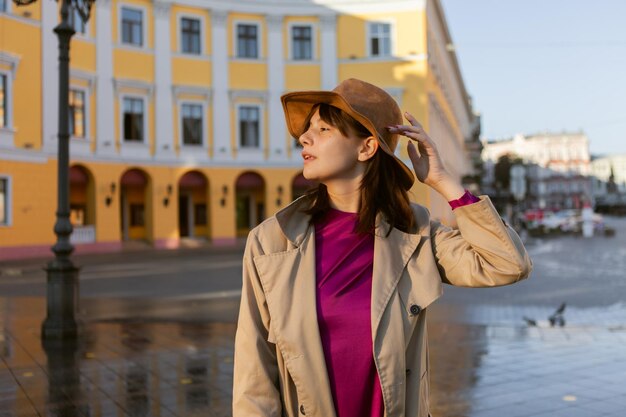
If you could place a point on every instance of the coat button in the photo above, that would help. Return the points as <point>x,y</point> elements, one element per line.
<point>408,372</point>
<point>302,410</point>
<point>415,309</point>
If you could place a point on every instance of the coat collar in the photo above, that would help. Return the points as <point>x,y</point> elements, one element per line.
<point>294,224</point>
<point>293,221</point>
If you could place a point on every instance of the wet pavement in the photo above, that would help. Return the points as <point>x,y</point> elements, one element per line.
<point>160,367</point>
<point>163,353</point>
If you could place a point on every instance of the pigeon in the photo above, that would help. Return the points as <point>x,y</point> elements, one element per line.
<point>529,321</point>
<point>557,317</point>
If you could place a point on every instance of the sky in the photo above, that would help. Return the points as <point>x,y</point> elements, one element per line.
<point>545,65</point>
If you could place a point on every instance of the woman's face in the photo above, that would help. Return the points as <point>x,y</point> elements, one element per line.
<point>328,154</point>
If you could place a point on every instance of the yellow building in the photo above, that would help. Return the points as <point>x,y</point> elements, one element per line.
<point>177,128</point>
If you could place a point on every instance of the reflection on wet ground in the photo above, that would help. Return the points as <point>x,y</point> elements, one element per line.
<point>171,367</point>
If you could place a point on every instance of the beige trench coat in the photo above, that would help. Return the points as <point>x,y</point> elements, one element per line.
<point>279,367</point>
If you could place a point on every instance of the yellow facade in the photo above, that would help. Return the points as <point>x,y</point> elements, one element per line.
<point>161,191</point>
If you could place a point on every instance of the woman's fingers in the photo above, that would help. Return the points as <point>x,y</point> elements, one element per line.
<point>411,132</point>
<point>412,120</point>
<point>414,131</point>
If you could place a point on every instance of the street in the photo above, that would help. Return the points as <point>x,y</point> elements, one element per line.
<point>584,273</point>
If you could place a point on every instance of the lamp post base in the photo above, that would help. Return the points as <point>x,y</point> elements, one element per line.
<point>60,322</point>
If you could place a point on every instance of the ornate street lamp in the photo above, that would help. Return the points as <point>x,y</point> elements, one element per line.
<point>62,286</point>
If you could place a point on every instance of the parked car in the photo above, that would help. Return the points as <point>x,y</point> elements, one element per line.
<point>567,221</point>
<point>561,221</point>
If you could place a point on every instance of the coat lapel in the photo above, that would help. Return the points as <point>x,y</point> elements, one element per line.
<point>391,255</point>
<point>288,279</point>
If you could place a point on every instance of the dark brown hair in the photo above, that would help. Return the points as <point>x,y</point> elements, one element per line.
<point>382,190</point>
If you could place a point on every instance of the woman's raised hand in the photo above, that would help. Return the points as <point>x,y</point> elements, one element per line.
<point>425,157</point>
<point>426,161</point>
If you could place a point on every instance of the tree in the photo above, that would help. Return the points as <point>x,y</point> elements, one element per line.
<point>502,170</point>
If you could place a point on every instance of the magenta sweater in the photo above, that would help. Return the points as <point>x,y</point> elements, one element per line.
<point>344,265</point>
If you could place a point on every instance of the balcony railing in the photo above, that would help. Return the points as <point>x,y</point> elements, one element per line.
<point>83,234</point>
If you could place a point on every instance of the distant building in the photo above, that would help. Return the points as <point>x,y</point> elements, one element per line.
<point>609,182</point>
<point>558,168</point>
<point>610,174</point>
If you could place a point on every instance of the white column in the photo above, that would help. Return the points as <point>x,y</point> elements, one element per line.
<point>164,123</point>
<point>329,61</point>
<point>276,82</point>
<point>221,103</point>
<point>105,120</point>
<point>50,75</point>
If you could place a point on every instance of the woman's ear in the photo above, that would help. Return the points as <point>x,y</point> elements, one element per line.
<point>368,148</point>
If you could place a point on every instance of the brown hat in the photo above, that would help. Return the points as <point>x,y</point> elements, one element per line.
<point>369,105</point>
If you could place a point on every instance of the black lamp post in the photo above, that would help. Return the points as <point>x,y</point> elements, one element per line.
<point>62,287</point>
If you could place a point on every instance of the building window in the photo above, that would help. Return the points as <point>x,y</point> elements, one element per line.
<point>249,129</point>
<point>190,34</point>
<point>4,201</point>
<point>133,119</point>
<point>247,41</point>
<point>4,101</point>
<point>76,21</point>
<point>380,39</point>
<point>77,114</point>
<point>200,215</point>
<point>132,26</point>
<point>136,215</point>
<point>302,42</point>
<point>192,124</point>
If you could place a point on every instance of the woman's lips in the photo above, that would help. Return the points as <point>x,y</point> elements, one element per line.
<point>307,157</point>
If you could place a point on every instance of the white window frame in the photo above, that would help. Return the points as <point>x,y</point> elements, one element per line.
<point>259,40</point>
<point>314,34</point>
<point>181,143</point>
<point>144,25</point>
<point>133,148</point>
<point>7,132</point>
<point>144,140</point>
<point>83,81</point>
<point>179,20</point>
<point>9,100</point>
<point>9,200</point>
<point>86,92</point>
<point>244,153</point>
<point>392,38</point>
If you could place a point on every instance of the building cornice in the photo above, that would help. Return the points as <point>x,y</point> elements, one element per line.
<point>179,90</point>
<point>307,7</point>
<point>248,94</point>
<point>10,60</point>
<point>84,76</point>
<point>121,84</point>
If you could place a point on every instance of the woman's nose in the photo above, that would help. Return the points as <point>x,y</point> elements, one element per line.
<point>305,138</point>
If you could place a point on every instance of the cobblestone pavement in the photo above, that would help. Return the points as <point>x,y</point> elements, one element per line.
<point>176,368</point>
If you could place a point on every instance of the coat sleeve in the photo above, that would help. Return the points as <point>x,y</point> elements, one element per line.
<point>255,375</point>
<point>482,252</point>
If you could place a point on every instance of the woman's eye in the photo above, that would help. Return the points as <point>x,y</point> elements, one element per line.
<point>324,129</point>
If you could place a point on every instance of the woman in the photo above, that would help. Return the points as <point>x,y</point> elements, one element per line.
<point>335,286</point>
